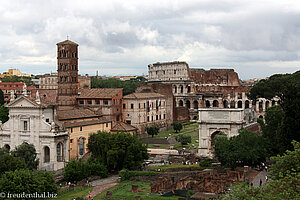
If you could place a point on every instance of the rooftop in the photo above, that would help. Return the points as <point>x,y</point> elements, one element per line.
<point>105,93</point>
<point>75,113</point>
<point>141,95</point>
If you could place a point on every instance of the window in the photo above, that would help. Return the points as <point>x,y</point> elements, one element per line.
<point>131,106</point>
<point>60,152</point>
<point>25,125</point>
<point>151,118</point>
<point>89,101</point>
<point>71,130</point>
<point>105,102</point>
<point>80,128</point>
<point>128,121</point>
<point>156,117</point>
<point>81,146</point>
<point>46,154</point>
<point>71,141</point>
<point>106,124</point>
<point>148,119</point>
<point>97,102</point>
<point>47,120</point>
<point>81,102</point>
<point>164,116</point>
<point>124,105</point>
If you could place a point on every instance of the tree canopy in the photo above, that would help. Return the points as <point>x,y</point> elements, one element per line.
<point>17,79</point>
<point>184,139</point>
<point>152,130</point>
<point>118,150</point>
<point>128,86</point>
<point>247,148</point>
<point>28,153</point>
<point>177,126</point>
<point>287,88</point>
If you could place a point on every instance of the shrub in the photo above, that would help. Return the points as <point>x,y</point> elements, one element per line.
<point>184,139</point>
<point>126,174</point>
<point>206,162</point>
<point>97,169</point>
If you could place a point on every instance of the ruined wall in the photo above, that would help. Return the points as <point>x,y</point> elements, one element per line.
<point>181,114</point>
<point>203,181</point>
<point>215,76</point>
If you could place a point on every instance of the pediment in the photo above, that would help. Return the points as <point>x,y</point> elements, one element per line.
<point>22,102</point>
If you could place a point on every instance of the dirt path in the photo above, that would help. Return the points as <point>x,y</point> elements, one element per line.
<point>100,188</point>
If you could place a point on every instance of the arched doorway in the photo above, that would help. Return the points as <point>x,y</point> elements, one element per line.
<point>232,104</point>
<point>7,147</point>
<point>46,154</point>
<point>213,138</point>
<point>188,104</point>
<point>188,89</point>
<point>180,103</point>
<point>81,144</point>
<point>247,103</point>
<point>240,104</point>
<point>207,104</point>
<point>195,104</point>
<point>215,104</point>
<point>225,103</point>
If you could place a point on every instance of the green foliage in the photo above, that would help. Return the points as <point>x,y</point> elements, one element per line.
<point>245,149</point>
<point>1,97</point>
<point>126,174</point>
<point>28,153</point>
<point>11,163</point>
<point>117,151</point>
<point>284,184</point>
<point>128,86</point>
<point>78,170</point>
<point>17,79</point>
<point>287,163</point>
<point>184,139</point>
<point>3,114</point>
<point>152,130</point>
<point>177,126</point>
<point>24,180</point>
<point>287,126</point>
<point>206,162</point>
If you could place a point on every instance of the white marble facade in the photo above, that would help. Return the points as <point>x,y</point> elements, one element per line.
<point>33,123</point>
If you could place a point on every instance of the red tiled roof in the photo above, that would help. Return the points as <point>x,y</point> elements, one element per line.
<point>121,126</point>
<point>104,93</point>
<point>75,113</point>
<point>143,95</point>
<point>85,123</point>
<point>67,42</point>
<point>47,96</point>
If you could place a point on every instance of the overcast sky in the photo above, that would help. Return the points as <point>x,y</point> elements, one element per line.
<point>257,38</point>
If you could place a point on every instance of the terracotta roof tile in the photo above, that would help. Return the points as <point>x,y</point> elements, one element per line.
<point>67,42</point>
<point>143,95</point>
<point>75,113</point>
<point>85,123</point>
<point>106,93</point>
<point>47,96</point>
<point>121,126</point>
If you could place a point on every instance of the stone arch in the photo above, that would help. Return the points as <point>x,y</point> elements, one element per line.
<point>7,147</point>
<point>240,104</point>
<point>81,146</point>
<point>247,103</point>
<point>260,105</point>
<point>267,104</point>
<point>207,104</point>
<point>261,117</point>
<point>273,102</point>
<point>225,103</point>
<point>46,154</point>
<point>188,103</point>
<point>60,152</point>
<point>195,117</point>
<point>175,89</point>
<point>196,105</point>
<point>180,103</point>
<point>215,103</point>
<point>188,89</point>
<point>181,88</point>
<point>232,104</point>
<point>213,137</point>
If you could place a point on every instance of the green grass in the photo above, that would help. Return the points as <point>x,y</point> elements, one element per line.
<point>186,128</point>
<point>77,192</point>
<point>161,146</point>
<point>122,192</point>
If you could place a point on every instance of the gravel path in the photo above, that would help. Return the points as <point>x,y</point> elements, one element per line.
<point>103,184</point>
<point>100,188</point>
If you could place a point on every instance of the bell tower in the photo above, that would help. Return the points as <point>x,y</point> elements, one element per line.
<point>67,73</point>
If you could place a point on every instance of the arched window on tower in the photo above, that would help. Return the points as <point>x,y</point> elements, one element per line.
<point>247,103</point>
<point>180,103</point>
<point>188,104</point>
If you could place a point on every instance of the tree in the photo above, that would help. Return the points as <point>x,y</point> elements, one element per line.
<point>3,114</point>
<point>177,126</point>
<point>28,153</point>
<point>152,130</point>
<point>184,139</point>
<point>24,79</point>
<point>117,151</point>
<point>284,182</point>
<point>11,163</point>
<point>247,148</point>
<point>28,182</point>
<point>286,87</point>
<point>1,97</point>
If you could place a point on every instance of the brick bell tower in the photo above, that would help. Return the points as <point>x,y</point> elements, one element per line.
<point>67,74</point>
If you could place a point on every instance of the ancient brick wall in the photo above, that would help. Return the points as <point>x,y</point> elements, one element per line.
<point>181,114</point>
